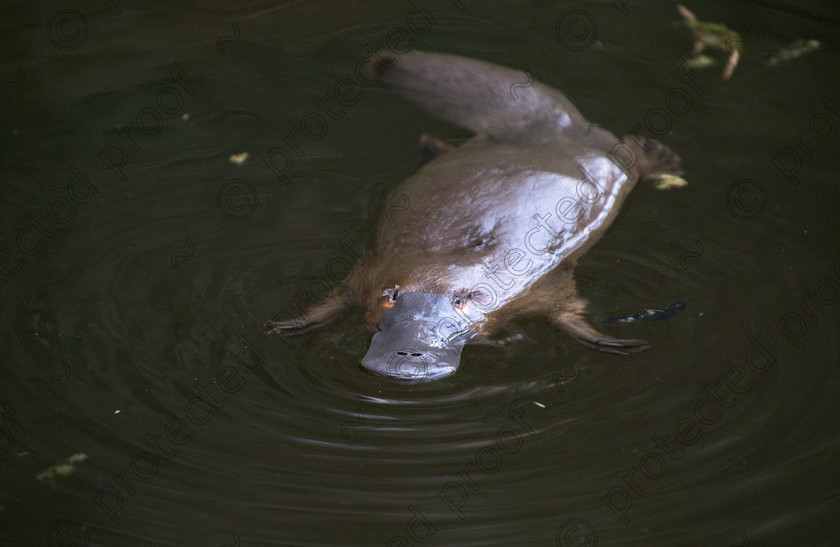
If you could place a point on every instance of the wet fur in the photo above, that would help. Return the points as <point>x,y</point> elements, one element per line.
<point>475,95</point>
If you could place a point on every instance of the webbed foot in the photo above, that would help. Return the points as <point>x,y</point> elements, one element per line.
<point>434,145</point>
<point>288,327</point>
<point>575,325</point>
<point>650,314</point>
<point>618,346</point>
<point>313,317</point>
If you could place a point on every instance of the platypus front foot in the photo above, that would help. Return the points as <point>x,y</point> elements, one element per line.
<point>575,325</point>
<point>298,325</point>
<point>313,317</point>
<point>615,345</point>
<point>291,326</point>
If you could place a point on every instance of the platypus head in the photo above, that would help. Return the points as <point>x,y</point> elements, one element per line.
<point>420,338</point>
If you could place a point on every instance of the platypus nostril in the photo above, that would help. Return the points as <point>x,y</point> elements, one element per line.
<point>416,354</point>
<point>401,353</point>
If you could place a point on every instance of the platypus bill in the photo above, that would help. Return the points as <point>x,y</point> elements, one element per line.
<point>494,228</point>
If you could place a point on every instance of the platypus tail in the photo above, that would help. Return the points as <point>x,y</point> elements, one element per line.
<point>483,97</point>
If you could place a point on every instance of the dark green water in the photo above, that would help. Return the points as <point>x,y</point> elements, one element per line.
<point>137,261</point>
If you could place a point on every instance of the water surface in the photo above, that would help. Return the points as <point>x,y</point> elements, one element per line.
<point>138,261</point>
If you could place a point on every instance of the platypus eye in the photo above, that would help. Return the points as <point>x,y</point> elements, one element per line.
<point>392,293</point>
<point>460,299</point>
<point>463,297</point>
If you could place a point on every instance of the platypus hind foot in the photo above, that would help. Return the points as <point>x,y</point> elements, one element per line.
<point>434,145</point>
<point>653,157</point>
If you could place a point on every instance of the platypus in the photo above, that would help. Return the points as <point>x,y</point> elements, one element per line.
<point>492,229</point>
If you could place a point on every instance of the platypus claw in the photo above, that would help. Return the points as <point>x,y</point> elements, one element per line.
<point>618,346</point>
<point>313,317</point>
<point>288,328</point>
